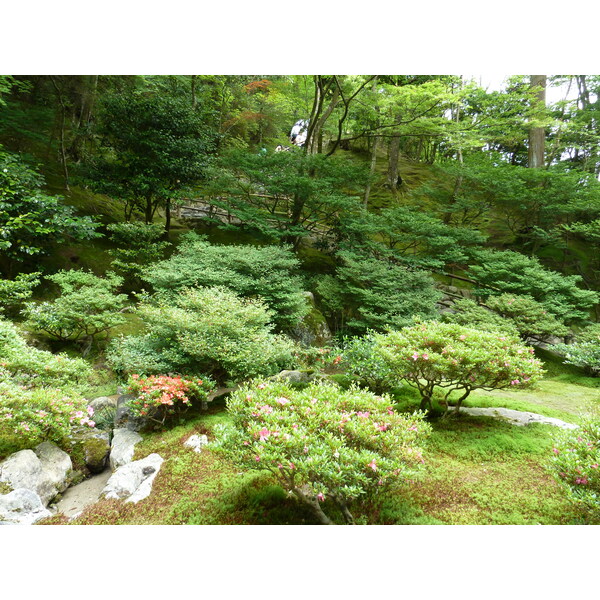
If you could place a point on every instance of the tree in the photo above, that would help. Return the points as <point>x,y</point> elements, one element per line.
<point>514,273</point>
<point>537,133</point>
<point>154,146</point>
<point>367,293</point>
<point>30,219</point>
<point>447,357</point>
<point>323,444</point>
<point>266,272</point>
<point>508,313</point>
<point>286,196</point>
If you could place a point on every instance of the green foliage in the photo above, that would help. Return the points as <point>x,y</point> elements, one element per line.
<point>154,145</point>
<point>28,417</point>
<point>29,219</point>
<point>508,313</point>
<point>14,291</point>
<point>529,316</point>
<point>449,357</point>
<point>161,397</point>
<point>582,354</point>
<point>576,465</point>
<point>23,364</point>
<point>204,330</point>
<point>138,245</point>
<point>266,272</point>
<point>514,273</point>
<point>360,358</point>
<point>470,314</point>
<point>87,306</point>
<point>287,196</point>
<point>322,443</point>
<point>375,294</point>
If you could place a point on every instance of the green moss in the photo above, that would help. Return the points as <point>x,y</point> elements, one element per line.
<point>5,488</point>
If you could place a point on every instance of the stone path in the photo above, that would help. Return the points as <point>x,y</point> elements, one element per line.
<point>516,417</point>
<point>76,498</point>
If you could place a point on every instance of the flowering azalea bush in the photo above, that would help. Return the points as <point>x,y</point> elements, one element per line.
<point>576,465</point>
<point>325,445</point>
<point>28,417</point>
<point>582,354</point>
<point>449,357</point>
<point>159,397</point>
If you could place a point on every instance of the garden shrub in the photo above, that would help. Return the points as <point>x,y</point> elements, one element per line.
<point>325,445</point>
<point>31,416</point>
<point>26,365</point>
<point>87,305</point>
<point>204,331</point>
<point>15,291</point>
<point>582,354</point>
<point>449,357</point>
<point>138,246</point>
<point>576,462</point>
<point>162,397</point>
<point>267,272</point>
<point>360,359</point>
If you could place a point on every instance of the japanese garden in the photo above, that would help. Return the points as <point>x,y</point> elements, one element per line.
<point>299,300</point>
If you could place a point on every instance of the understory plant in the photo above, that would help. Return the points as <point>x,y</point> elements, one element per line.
<point>23,364</point>
<point>449,357</point>
<point>31,416</point>
<point>162,397</point>
<point>582,354</point>
<point>360,358</point>
<point>87,305</point>
<point>576,465</point>
<point>204,331</point>
<point>326,446</point>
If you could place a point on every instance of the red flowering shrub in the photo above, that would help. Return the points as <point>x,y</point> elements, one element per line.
<point>161,396</point>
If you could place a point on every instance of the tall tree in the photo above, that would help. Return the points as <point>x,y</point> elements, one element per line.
<point>537,132</point>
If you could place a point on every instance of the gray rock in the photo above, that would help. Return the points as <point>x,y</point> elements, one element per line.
<point>94,445</point>
<point>104,402</point>
<point>516,417</point>
<point>56,465</point>
<point>44,471</point>
<point>313,329</point>
<point>23,507</point>
<point>196,442</point>
<point>133,481</point>
<point>123,447</point>
<point>124,416</point>
<point>294,376</point>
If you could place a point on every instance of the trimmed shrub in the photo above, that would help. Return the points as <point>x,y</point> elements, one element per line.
<point>327,446</point>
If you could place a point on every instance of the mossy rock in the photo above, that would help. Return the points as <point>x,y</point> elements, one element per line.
<point>313,329</point>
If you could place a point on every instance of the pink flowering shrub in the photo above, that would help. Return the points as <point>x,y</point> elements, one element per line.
<point>576,465</point>
<point>159,397</point>
<point>450,357</point>
<point>325,445</point>
<point>31,416</point>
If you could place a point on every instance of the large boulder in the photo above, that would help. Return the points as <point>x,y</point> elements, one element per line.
<point>133,481</point>
<point>104,403</point>
<point>124,416</point>
<point>294,377</point>
<point>313,329</point>
<point>93,445</point>
<point>123,447</point>
<point>23,507</point>
<point>44,470</point>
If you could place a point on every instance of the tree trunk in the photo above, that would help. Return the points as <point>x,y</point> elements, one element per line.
<point>537,135</point>
<point>168,215</point>
<point>371,170</point>
<point>393,156</point>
